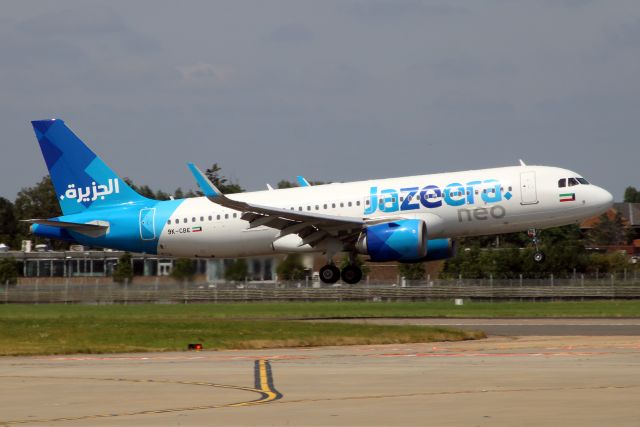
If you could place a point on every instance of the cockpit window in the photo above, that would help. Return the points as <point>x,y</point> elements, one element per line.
<point>583,181</point>
<point>572,182</point>
<point>562,183</point>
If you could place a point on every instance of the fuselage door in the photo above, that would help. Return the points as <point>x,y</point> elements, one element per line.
<point>528,193</point>
<point>147,223</point>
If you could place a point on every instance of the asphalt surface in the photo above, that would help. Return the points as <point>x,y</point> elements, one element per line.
<point>500,381</point>
<point>524,327</point>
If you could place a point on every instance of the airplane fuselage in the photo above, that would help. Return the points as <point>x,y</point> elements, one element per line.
<point>468,203</point>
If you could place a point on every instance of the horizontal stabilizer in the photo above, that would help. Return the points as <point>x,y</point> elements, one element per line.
<point>94,229</point>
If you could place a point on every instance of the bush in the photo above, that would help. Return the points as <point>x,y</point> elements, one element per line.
<point>413,271</point>
<point>291,268</point>
<point>236,271</point>
<point>123,271</point>
<point>8,271</point>
<point>183,270</point>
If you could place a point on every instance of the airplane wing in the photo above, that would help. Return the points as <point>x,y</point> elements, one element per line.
<point>310,226</point>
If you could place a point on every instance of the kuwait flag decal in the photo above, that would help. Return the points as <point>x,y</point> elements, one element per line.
<point>196,229</point>
<point>568,197</point>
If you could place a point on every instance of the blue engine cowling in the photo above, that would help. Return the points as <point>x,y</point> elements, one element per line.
<point>404,240</point>
<point>438,249</point>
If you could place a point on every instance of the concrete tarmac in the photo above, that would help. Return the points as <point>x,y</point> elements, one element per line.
<point>499,381</point>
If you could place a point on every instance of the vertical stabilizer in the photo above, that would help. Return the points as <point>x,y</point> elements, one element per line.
<point>81,179</point>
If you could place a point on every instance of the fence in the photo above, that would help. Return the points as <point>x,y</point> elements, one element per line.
<point>549,288</point>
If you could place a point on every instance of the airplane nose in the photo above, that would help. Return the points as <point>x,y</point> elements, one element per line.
<point>604,198</point>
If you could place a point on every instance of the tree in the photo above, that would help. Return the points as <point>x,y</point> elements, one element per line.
<point>283,183</point>
<point>412,271</point>
<point>39,201</point>
<point>221,182</point>
<point>291,268</point>
<point>8,271</point>
<point>123,272</point>
<point>237,270</point>
<point>8,222</point>
<point>610,231</point>
<point>184,270</point>
<point>631,195</point>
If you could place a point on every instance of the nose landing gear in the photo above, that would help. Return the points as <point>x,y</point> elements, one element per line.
<point>538,255</point>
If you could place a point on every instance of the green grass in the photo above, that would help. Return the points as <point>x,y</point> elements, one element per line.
<point>64,329</point>
<point>87,334</point>
<point>328,309</point>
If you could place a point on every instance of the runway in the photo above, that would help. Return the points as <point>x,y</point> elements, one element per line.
<point>521,327</point>
<point>500,381</point>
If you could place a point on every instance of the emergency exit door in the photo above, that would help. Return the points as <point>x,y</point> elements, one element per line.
<point>147,223</point>
<point>528,193</point>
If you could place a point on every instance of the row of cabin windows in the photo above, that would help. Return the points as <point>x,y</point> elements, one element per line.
<point>348,204</point>
<point>570,182</point>
<point>194,219</point>
<point>334,205</point>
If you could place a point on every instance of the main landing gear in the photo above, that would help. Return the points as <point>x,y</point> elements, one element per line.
<point>538,255</point>
<point>330,274</point>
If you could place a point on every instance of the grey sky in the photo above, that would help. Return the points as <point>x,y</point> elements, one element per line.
<point>334,90</point>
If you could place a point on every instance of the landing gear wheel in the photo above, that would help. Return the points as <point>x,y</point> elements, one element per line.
<point>351,274</point>
<point>538,256</point>
<point>329,274</point>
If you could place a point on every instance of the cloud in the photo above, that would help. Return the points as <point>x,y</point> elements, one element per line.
<point>387,10</point>
<point>291,33</point>
<point>87,25</point>
<point>205,72</point>
<point>626,35</point>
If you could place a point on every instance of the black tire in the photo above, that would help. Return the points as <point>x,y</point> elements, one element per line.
<point>538,257</point>
<point>351,274</point>
<point>329,274</point>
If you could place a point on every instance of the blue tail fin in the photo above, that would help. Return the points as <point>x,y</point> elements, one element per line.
<point>81,179</point>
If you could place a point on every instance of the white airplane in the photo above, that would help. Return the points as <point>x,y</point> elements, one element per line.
<point>406,219</point>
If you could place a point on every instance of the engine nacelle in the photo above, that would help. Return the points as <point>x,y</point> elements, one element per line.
<point>438,249</point>
<point>404,240</point>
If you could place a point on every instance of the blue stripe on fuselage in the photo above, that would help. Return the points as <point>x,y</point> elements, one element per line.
<point>124,225</point>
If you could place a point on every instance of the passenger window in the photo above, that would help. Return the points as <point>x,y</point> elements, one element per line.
<point>572,182</point>
<point>210,217</point>
<point>341,205</point>
<point>325,206</point>
<point>169,222</point>
<point>510,188</point>
<point>349,204</point>
<point>218,217</point>
<point>402,198</point>
<point>226,216</point>
<point>235,215</point>
<point>308,208</point>
<point>186,220</point>
<point>177,221</point>
<point>201,219</point>
<point>193,219</point>
<point>358,203</point>
<point>317,207</point>
<point>367,202</point>
<point>299,208</point>
<point>333,205</point>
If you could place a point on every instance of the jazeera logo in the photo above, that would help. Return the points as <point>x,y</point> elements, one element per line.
<point>91,193</point>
